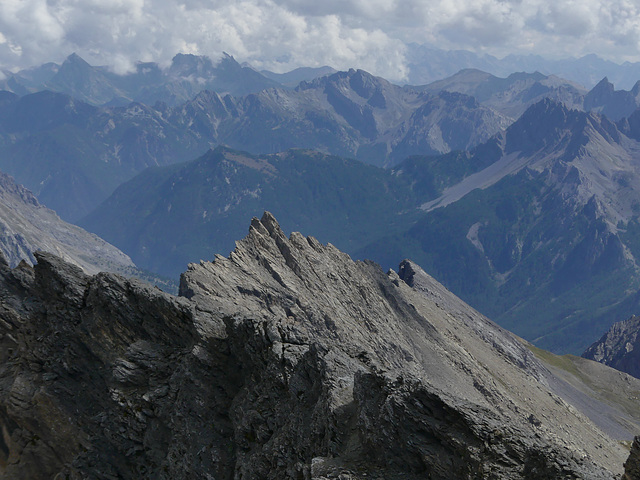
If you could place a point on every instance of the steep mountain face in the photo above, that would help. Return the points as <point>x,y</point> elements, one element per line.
<point>544,239</point>
<point>166,218</point>
<point>27,226</point>
<point>182,80</point>
<point>615,104</point>
<point>619,347</point>
<point>285,360</point>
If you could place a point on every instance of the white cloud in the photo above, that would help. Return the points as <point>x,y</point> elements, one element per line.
<point>284,34</point>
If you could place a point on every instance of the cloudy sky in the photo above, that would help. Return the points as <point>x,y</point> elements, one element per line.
<point>283,34</point>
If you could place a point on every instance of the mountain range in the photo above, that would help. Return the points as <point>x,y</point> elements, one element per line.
<point>564,162</point>
<point>426,65</point>
<point>72,155</point>
<point>186,76</point>
<point>544,238</point>
<point>289,360</point>
<point>536,227</point>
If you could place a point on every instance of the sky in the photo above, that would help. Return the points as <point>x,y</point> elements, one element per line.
<point>280,35</point>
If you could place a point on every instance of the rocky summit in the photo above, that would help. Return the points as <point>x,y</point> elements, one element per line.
<point>286,360</point>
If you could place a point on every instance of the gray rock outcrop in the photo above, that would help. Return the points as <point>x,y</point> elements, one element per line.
<point>619,347</point>
<point>27,226</point>
<point>285,360</point>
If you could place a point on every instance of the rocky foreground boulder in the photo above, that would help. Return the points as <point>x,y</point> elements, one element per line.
<point>285,360</point>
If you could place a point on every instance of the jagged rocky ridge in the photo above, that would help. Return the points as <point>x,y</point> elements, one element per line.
<point>285,360</point>
<point>72,154</point>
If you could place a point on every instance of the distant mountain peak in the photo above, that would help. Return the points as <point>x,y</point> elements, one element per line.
<point>615,104</point>
<point>75,58</point>
<point>604,83</point>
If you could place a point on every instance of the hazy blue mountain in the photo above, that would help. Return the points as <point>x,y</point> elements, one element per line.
<point>303,74</point>
<point>190,74</point>
<point>182,80</point>
<point>348,114</point>
<point>72,155</point>
<point>28,80</point>
<point>512,95</point>
<point>427,65</point>
<point>167,217</point>
<point>615,104</point>
<point>84,82</point>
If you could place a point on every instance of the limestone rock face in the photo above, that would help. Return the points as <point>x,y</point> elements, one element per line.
<point>285,360</point>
